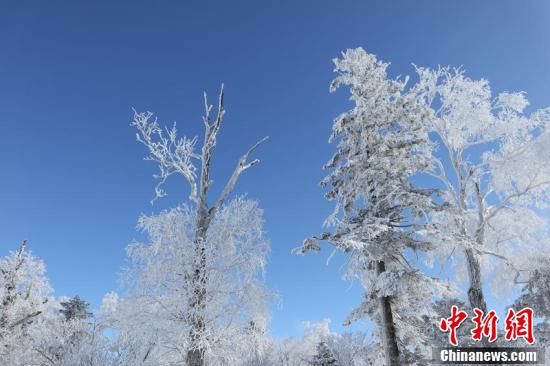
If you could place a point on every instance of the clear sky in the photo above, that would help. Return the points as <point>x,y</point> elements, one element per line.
<point>73,180</point>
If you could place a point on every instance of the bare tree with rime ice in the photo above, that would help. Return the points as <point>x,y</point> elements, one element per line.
<point>491,166</point>
<point>202,270</point>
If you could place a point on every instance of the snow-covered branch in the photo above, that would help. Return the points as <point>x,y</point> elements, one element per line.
<point>172,154</point>
<point>242,165</point>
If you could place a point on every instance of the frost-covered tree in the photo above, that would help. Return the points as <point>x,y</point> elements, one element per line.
<point>198,280</point>
<point>69,342</point>
<point>536,295</point>
<point>75,308</point>
<point>347,349</point>
<point>536,291</point>
<point>383,143</point>
<point>353,349</point>
<point>25,297</point>
<point>492,167</point>
<point>38,329</point>
<point>253,347</point>
<point>76,337</point>
<point>324,356</point>
<point>300,351</point>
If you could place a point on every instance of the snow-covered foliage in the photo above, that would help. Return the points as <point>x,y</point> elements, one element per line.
<point>324,356</point>
<point>482,162</point>
<point>383,143</point>
<point>492,168</point>
<point>153,318</point>
<point>347,349</point>
<point>26,300</point>
<point>173,155</point>
<point>439,171</point>
<point>300,351</point>
<point>536,291</point>
<point>38,329</point>
<point>198,283</point>
<point>69,342</point>
<point>354,349</point>
<point>75,308</point>
<point>536,295</point>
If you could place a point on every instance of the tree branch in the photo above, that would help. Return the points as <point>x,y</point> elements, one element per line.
<point>25,319</point>
<point>506,200</point>
<point>242,165</point>
<point>508,262</point>
<point>210,135</point>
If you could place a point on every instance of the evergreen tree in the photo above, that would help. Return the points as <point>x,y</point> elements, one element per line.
<point>324,356</point>
<point>383,142</point>
<point>75,308</point>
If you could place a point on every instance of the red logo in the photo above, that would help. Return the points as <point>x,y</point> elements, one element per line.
<point>452,323</point>
<point>516,325</point>
<point>519,325</point>
<point>485,326</point>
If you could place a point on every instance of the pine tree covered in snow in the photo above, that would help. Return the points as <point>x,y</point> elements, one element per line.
<point>324,356</point>
<point>75,308</point>
<point>383,143</point>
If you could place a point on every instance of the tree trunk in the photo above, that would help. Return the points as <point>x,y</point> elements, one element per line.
<point>475,292</point>
<point>389,337</point>
<point>195,358</point>
<point>195,353</point>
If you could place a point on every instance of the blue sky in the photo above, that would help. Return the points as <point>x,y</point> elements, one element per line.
<point>73,180</point>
